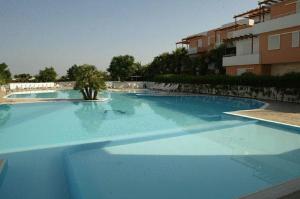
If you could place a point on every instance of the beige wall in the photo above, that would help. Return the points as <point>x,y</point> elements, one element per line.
<point>256,69</point>
<point>286,54</point>
<point>284,8</point>
<point>193,42</point>
<point>281,69</point>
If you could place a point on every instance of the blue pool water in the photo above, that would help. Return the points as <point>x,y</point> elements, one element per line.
<point>136,146</point>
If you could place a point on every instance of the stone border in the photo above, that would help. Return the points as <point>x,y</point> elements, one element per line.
<point>287,190</point>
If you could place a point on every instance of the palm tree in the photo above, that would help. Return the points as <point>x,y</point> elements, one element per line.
<point>89,81</point>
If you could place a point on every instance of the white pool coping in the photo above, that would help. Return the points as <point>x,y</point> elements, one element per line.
<point>235,113</point>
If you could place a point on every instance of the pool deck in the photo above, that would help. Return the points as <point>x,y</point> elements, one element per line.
<point>287,190</point>
<point>279,112</point>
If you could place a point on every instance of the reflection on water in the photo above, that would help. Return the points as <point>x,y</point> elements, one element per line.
<point>73,94</point>
<point>46,95</point>
<point>125,103</point>
<point>4,114</point>
<point>91,115</point>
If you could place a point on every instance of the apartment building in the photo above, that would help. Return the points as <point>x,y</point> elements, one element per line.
<point>271,46</point>
<point>264,40</point>
<point>199,44</point>
<point>202,42</point>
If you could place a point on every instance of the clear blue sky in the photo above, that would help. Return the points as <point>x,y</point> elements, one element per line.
<point>39,33</point>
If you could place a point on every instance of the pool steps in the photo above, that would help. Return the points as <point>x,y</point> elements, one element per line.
<point>72,178</point>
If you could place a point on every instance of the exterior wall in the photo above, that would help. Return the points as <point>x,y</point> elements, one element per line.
<point>286,54</point>
<point>281,69</point>
<point>212,36</point>
<point>193,43</point>
<point>283,9</point>
<point>256,69</point>
<point>263,93</point>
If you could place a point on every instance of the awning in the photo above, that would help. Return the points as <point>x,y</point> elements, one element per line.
<point>269,2</point>
<point>255,12</point>
<point>239,38</point>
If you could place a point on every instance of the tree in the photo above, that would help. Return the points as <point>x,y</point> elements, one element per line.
<point>47,75</point>
<point>71,72</point>
<point>199,65</point>
<point>5,75</point>
<point>23,77</point>
<point>180,61</point>
<point>215,57</point>
<point>122,67</point>
<point>176,62</point>
<point>89,81</point>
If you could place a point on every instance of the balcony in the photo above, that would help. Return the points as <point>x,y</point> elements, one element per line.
<point>278,24</point>
<point>192,51</point>
<point>249,59</point>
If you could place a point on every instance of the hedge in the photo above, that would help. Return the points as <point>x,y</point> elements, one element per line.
<point>291,80</point>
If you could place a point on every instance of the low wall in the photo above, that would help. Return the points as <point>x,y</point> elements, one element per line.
<point>66,85</point>
<point>125,85</point>
<point>267,93</point>
<point>28,85</point>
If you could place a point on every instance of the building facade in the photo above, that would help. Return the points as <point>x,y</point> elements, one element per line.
<point>263,41</point>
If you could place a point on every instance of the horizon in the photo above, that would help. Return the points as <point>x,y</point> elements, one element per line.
<point>63,33</point>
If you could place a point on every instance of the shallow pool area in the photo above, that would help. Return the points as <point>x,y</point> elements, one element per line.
<point>142,146</point>
<point>62,94</point>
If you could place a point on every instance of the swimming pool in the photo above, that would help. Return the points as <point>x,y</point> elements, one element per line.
<point>141,146</point>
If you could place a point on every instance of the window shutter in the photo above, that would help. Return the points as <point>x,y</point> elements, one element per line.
<point>295,39</point>
<point>274,42</point>
<point>218,39</point>
<point>200,43</point>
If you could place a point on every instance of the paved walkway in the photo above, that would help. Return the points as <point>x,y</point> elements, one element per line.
<point>281,112</point>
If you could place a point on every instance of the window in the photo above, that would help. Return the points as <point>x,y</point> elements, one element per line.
<point>208,40</point>
<point>274,42</point>
<point>295,39</point>
<point>200,43</point>
<point>218,39</point>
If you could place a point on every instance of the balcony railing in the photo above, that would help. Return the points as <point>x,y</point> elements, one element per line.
<point>241,60</point>
<point>192,51</point>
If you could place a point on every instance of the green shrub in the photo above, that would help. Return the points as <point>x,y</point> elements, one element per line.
<point>291,80</point>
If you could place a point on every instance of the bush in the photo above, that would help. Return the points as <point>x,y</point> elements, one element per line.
<point>47,75</point>
<point>291,80</point>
